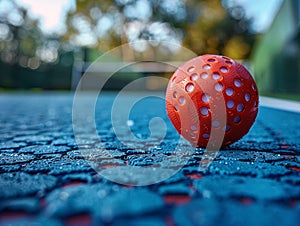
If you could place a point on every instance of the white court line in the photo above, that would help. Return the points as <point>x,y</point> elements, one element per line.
<point>286,105</point>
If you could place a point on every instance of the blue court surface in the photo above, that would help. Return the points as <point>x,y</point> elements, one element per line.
<point>46,180</point>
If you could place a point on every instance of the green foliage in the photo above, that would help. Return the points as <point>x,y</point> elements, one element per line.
<point>202,26</point>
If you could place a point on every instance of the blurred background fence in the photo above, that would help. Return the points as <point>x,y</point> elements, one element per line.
<point>44,77</point>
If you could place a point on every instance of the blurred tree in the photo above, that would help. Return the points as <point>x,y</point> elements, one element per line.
<point>22,42</point>
<point>19,36</point>
<point>221,29</point>
<point>203,26</point>
<point>27,55</point>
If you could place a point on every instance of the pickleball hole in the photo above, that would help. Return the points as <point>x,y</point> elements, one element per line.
<point>173,79</point>
<point>182,100</point>
<point>230,103</point>
<point>226,128</point>
<point>204,111</point>
<point>205,98</point>
<point>204,75</point>
<point>190,87</point>
<point>191,69</point>
<point>194,77</point>
<point>193,127</point>
<point>247,97</point>
<point>211,60</point>
<point>215,123</point>
<point>229,91</point>
<point>228,62</point>
<point>237,83</point>
<point>253,87</point>
<point>206,66</point>
<point>192,134</point>
<point>255,104</point>
<point>237,119</point>
<point>240,107</point>
<point>224,69</point>
<point>225,58</point>
<point>176,108</point>
<point>205,135</point>
<point>175,94</point>
<point>219,87</point>
<point>216,76</point>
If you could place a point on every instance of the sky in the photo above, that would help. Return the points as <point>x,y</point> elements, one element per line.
<point>52,13</point>
<point>262,11</point>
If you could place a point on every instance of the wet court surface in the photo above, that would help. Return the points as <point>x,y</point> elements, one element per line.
<point>45,179</point>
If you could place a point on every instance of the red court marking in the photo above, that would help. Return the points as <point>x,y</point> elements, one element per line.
<point>246,201</point>
<point>295,168</point>
<point>194,176</point>
<point>293,202</point>
<point>43,202</point>
<point>73,183</point>
<point>96,177</point>
<point>192,187</point>
<point>204,161</point>
<point>287,156</point>
<point>106,166</point>
<point>169,221</point>
<point>79,220</point>
<point>177,199</point>
<point>13,215</point>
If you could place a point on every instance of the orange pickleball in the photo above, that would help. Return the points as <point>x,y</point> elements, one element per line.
<point>212,93</point>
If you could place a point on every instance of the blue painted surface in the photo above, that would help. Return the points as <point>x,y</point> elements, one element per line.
<point>44,178</point>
